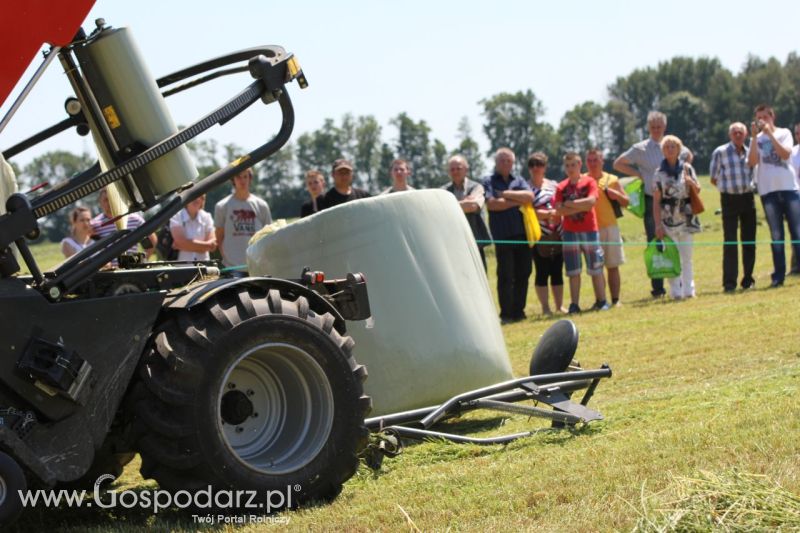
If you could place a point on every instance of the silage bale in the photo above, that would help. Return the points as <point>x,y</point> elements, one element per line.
<point>435,332</point>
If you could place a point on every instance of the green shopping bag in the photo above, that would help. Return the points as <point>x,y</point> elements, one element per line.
<point>662,259</point>
<point>635,190</point>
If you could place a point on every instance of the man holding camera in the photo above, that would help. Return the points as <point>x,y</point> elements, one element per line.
<point>776,179</point>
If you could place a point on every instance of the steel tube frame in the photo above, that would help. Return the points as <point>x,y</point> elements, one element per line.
<point>536,381</point>
<point>515,395</point>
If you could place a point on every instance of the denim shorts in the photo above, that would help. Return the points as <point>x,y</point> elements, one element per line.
<point>587,242</point>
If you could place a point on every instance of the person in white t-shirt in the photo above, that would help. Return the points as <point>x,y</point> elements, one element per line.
<point>193,232</point>
<point>401,170</point>
<point>776,179</point>
<point>237,218</point>
<point>80,233</point>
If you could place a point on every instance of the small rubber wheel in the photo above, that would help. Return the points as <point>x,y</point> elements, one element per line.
<point>555,349</point>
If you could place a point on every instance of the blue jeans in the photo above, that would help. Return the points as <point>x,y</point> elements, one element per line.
<point>777,206</point>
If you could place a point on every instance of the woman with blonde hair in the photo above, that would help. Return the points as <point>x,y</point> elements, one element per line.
<point>674,184</point>
<point>80,233</point>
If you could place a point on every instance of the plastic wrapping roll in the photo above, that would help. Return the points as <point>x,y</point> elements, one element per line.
<point>134,109</point>
<point>436,332</point>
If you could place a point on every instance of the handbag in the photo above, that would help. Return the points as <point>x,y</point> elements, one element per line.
<point>696,202</point>
<point>614,205</point>
<point>635,190</point>
<point>552,247</point>
<point>694,197</point>
<point>533,231</point>
<point>662,259</point>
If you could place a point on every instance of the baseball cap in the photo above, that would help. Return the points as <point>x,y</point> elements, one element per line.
<point>342,163</point>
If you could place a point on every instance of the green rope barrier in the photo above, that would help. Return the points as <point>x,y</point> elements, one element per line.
<point>233,268</point>
<point>641,243</point>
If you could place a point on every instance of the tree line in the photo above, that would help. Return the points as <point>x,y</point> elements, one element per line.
<point>699,96</point>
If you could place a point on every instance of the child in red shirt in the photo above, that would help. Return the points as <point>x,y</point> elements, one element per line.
<point>574,200</point>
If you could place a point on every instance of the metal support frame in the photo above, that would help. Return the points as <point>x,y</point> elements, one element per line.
<point>550,389</point>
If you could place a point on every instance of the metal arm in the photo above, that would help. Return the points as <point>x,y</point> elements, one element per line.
<point>73,273</point>
<point>271,73</point>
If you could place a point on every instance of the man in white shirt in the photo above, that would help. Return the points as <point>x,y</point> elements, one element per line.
<point>401,170</point>
<point>776,178</point>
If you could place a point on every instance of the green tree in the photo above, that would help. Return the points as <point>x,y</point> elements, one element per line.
<point>688,119</point>
<point>413,144</point>
<point>368,150</point>
<point>276,182</point>
<point>346,137</point>
<point>319,149</point>
<point>384,178</point>
<point>438,168</point>
<point>583,127</point>
<point>640,91</point>
<point>55,168</point>
<point>621,127</point>
<point>468,147</point>
<point>688,74</point>
<point>760,82</point>
<point>788,100</point>
<point>724,106</point>
<point>548,142</point>
<point>514,120</point>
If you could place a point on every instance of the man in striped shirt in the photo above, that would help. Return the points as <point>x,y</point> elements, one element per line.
<point>732,177</point>
<point>642,160</point>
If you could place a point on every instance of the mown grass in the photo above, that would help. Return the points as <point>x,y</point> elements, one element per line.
<point>705,387</point>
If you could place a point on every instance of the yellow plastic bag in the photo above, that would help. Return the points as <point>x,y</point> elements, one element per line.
<point>533,231</point>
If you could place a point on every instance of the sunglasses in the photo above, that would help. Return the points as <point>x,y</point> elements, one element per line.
<point>537,164</point>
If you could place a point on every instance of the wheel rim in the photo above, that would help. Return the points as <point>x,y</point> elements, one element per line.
<point>275,408</point>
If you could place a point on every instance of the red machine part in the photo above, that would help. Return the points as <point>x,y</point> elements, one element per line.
<point>27,24</point>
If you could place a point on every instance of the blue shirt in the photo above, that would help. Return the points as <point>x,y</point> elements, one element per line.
<point>505,225</point>
<point>730,169</point>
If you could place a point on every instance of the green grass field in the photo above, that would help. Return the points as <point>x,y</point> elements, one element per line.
<point>705,389</point>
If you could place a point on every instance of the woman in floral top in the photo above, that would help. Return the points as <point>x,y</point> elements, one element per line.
<point>672,211</point>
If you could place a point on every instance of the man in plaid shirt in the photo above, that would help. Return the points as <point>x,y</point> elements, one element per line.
<point>732,177</point>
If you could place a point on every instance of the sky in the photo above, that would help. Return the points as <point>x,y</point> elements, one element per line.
<point>434,60</point>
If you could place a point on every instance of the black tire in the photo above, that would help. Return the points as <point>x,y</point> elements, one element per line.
<point>210,371</point>
<point>12,479</point>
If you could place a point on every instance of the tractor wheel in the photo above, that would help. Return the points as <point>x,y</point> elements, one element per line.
<point>250,391</point>
<point>12,479</point>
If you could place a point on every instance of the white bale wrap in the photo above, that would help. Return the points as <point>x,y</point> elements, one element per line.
<point>436,332</point>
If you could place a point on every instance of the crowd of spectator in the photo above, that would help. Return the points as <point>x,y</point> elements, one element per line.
<point>193,233</point>
<point>577,216</point>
